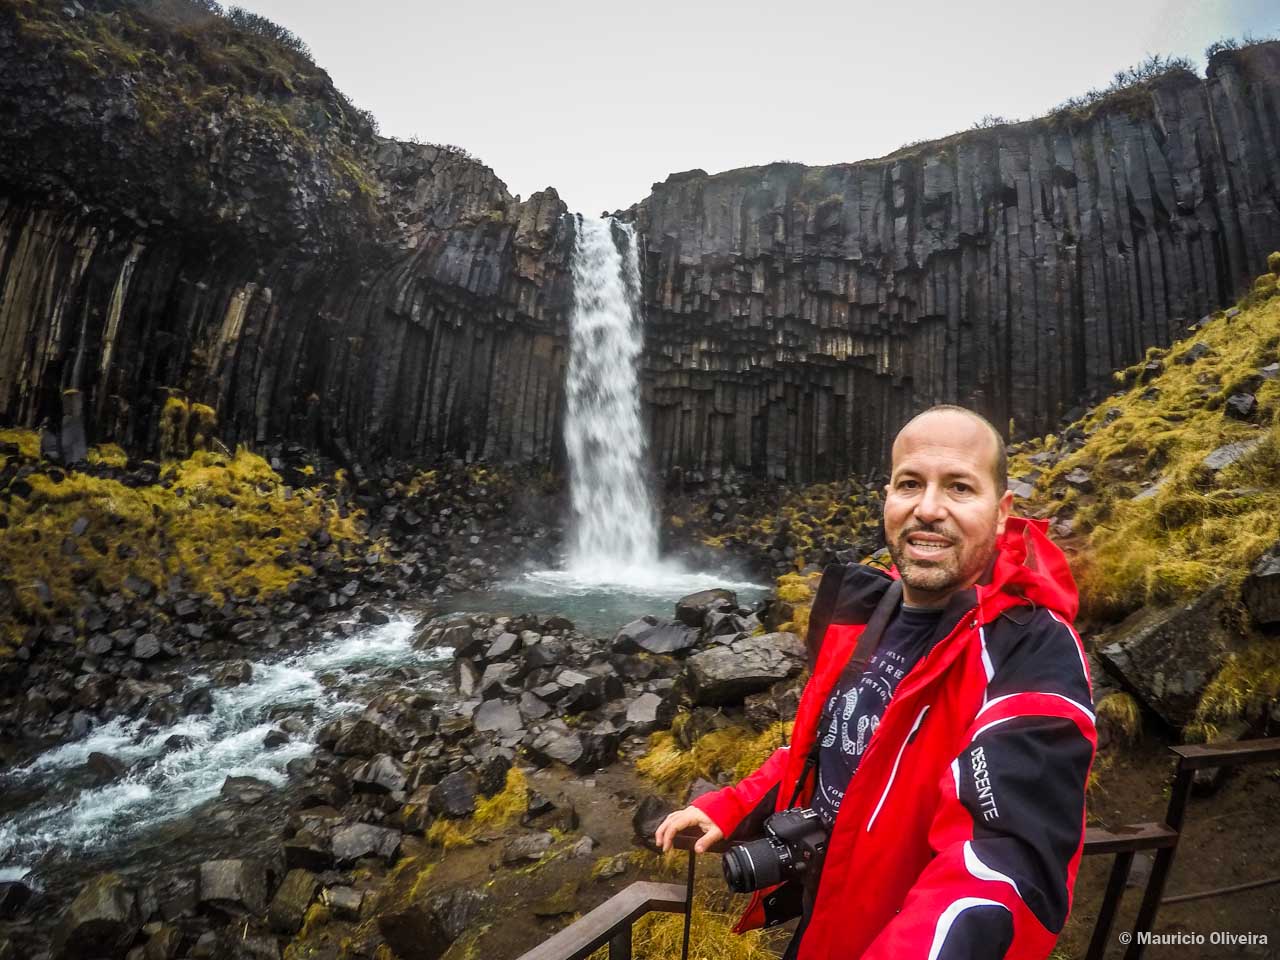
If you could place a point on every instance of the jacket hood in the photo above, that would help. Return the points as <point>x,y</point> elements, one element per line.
<point>1028,564</point>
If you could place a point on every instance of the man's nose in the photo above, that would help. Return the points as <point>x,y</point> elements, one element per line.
<point>930,507</point>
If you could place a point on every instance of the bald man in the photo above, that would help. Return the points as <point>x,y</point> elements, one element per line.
<point>945,735</point>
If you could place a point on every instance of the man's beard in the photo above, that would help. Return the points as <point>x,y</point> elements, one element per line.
<point>958,567</point>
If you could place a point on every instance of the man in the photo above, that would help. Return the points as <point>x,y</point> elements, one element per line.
<point>951,770</point>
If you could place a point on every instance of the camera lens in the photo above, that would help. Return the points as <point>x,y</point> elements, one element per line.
<point>754,865</point>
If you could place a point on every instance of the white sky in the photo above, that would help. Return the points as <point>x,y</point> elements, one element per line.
<point>601,99</point>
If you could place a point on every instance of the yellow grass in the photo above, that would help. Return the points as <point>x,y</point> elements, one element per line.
<point>735,750</point>
<point>503,808</point>
<point>208,521</point>
<point>1198,528</point>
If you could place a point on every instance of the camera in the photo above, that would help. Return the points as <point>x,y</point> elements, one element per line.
<point>794,842</point>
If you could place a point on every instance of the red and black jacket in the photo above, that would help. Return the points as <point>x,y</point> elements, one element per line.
<point>961,831</point>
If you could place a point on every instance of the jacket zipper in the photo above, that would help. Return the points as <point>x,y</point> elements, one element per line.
<point>894,772</point>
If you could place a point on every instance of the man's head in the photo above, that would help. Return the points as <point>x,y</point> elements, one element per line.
<point>945,503</point>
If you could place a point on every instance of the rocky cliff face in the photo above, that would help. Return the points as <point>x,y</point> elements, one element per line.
<point>798,315</point>
<point>163,231</point>
<point>185,208</point>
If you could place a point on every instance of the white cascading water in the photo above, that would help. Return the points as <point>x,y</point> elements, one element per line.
<point>74,816</point>
<point>615,532</point>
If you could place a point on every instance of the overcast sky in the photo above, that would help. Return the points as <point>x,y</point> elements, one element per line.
<point>601,99</point>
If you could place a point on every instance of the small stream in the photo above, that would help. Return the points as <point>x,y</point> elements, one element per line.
<point>174,769</point>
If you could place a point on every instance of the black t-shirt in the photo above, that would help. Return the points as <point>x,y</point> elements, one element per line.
<point>857,703</point>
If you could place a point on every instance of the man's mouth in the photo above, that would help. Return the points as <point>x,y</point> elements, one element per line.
<point>927,544</point>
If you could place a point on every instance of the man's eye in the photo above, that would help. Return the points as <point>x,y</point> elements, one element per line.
<point>961,487</point>
<point>907,484</point>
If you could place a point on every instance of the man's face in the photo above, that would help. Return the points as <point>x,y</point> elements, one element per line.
<point>941,511</point>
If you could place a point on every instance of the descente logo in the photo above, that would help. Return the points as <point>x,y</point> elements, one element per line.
<point>982,783</point>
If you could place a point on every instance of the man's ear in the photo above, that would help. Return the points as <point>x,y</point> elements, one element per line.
<point>1003,508</point>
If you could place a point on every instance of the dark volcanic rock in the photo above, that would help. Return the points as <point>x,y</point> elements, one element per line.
<point>104,767</point>
<point>102,921</point>
<point>234,886</point>
<point>726,674</point>
<point>246,790</point>
<point>454,797</point>
<point>289,905</point>
<point>1167,656</point>
<point>364,840</point>
<point>424,930</point>
<point>1262,589</point>
<point>692,610</point>
<point>497,716</point>
<point>14,895</point>
<point>651,635</point>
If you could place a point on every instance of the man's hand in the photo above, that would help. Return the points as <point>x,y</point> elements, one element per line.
<point>681,820</point>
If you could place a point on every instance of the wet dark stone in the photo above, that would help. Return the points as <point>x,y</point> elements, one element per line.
<point>1242,406</point>
<point>1262,589</point>
<point>199,702</point>
<point>371,614</point>
<point>454,797</point>
<point>14,895</point>
<point>651,635</point>
<point>234,886</point>
<point>692,610</point>
<point>246,790</point>
<point>289,906</point>
<point>424,931</point>
<point>492,774</point>
<point>383,774</point>
<point>358,840</point>
<point>497,716</point>
<point>103,920</point>
<point>105,768</point>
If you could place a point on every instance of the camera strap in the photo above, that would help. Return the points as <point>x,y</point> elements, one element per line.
<point>856,665</point>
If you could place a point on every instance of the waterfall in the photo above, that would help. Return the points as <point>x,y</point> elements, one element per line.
<point>615,529</point>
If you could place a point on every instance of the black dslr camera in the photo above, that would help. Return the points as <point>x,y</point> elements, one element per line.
<point>795,841</point>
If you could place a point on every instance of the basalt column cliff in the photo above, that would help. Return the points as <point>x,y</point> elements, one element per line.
<point>189,209</point>
<point>798,315</point>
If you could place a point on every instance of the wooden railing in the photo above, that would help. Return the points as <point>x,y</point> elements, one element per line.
<point>611,922</point>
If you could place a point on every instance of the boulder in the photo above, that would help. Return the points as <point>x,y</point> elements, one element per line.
<point>357,840</point>
<point>1241,406</point>
<point>692,609</point>
<point>369,736</point>
<point>777,703</point>
<point>246,790</point>
<point>1166,656</point>
<point>503,646</point>
<point>289,906</point>
<point>102,921</point>
<point>423,927</point>
<point>1262,589</point>
<point>1229,453</point>
<point>651,635</point>
<point>234,887</point>
<point>531,846</point>
<point>344,902</point>
<point>726,674</point>
<point>383,774</point>
<point>105,768</point>
<point>496,681</point>
<point>14,895</point>
<point>498,716</point>
<point>454,797</point>
<point>648,712</point>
